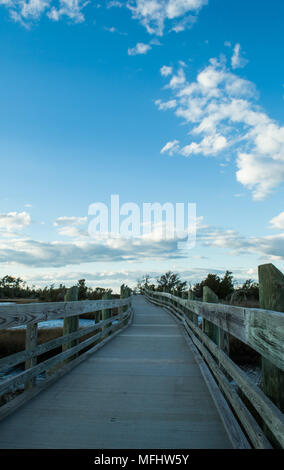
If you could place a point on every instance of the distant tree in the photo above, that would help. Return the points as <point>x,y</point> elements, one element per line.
<point>251,288</point>
<point>171,282</point>
<point>13,287</point>
<point>248,291</point>
<point>143,283</point>
<point>83,289</point>
<point>97,293</point>
<point>222,287</point>
<point>226,287</point>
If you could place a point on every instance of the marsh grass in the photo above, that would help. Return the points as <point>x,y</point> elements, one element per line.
<point>13,341</point>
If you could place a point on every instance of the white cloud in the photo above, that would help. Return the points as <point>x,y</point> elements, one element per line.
<point>237,61</point>
<point>166,70</point>
<point>210,145</point>
<point>220,108</point>
<point>69,221</point>
<point>278,221</point>
<point>14,221</point>
<point>33,8</point>
<point>177,80</point>
<point>166,105</point>
<point>112,29</point>
<point>259,174</point>
<point>171,147</point>
<point>153,14</point>
<point>68,226</point>
<point>269,248</point>
<point>70,8</point>
<point>186,23</point>
<point>114,4</point>
<point>140,48</point>
<point>25,11</point>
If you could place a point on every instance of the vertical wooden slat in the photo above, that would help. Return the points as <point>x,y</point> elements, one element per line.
<point>70,324</point>
<point>193,317</point>
<point>31,343</point>
<point>120,309</point>
<point>209,328</point>
<point>106,313</point>
<point>271,296</point>
<point>124,293</point>
<point>97,317</point>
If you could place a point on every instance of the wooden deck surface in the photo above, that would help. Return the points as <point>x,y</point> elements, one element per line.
<point>142,390</point>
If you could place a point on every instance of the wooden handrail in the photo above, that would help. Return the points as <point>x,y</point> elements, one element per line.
<point>26,375</point>
<point>31,314</point>
<point>262,330</point>
<point>237,321</point>
<point>23,314</point>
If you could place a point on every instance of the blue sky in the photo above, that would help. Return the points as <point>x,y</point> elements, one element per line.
<point>157,101</point>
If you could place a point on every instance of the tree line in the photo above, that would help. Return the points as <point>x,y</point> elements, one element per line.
<point>16,288</point>
<point>171,282</point>
<point>224,287</point>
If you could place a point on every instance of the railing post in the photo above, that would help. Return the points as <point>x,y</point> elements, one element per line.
<point>70,324</point>
<point>124,293</point>
<point>219,336</point>
<point>193,317</point>
<point>271,297</point>
<point>120,309</point>
<point>209,328</point>
<point>106,312</point>
<point>190,295</point>
<point>97,317</point>
<point>31,343</point>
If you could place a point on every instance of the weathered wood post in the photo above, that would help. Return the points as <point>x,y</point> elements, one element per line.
<point>120,309</point>
<point>209,328</point>
<point>97,317</point>
<point>165,299</point>
<point>193,317</point>
<point>124,293</point>
<point>218,335</point>
<point>184,296</point>
<point>71,324</point>
<point>106,313</point>
<point>271,297</point>
<point>31,343</point>
<point>190,295</point>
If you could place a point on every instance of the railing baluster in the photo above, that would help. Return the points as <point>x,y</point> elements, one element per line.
<point>70,324</point>
<point>106,313</point>
<point>209,328</point>
<point>271,296</point>
<point>31,343</point>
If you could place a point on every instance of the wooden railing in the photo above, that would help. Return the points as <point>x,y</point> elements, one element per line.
<point>111,316</point>
<point>208,326</point>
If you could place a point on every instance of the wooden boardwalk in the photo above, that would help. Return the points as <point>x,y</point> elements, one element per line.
<point>141,390</point>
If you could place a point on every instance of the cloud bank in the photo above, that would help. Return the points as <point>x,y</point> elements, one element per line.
<point>79,248</point>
